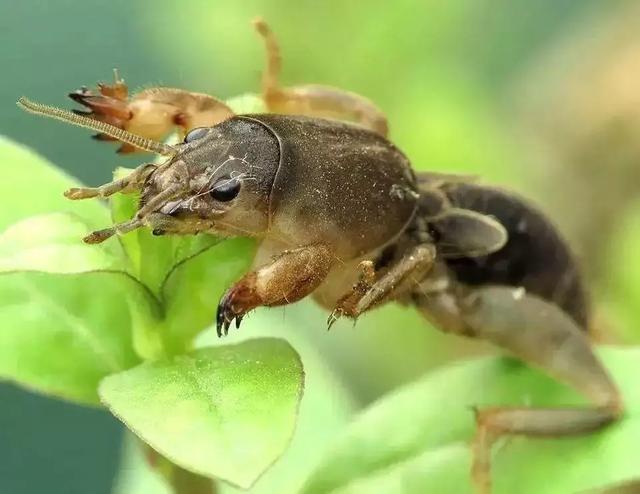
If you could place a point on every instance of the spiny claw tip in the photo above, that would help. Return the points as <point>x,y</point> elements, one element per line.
<point>220,318</point>
<point>333,317</point>
<point>79,95</point>
<point>226,325</point>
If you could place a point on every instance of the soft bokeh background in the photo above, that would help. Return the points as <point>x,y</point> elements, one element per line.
<point>543,97</point>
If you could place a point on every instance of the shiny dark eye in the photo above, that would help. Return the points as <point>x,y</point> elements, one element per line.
<point>225,189</point>
<point>196,134</point>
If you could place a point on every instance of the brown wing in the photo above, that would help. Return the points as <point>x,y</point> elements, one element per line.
<point>458,232</point>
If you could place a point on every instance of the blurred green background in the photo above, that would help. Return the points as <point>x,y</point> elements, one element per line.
<point>526,94</point>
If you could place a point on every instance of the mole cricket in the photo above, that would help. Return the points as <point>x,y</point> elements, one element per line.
<point>340,215</point>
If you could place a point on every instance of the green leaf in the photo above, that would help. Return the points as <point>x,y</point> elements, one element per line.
<point>383,448</point>
<point>325,409</point>
<point>31,185</point>
<point>444,469</point>
<point>61,335</point>
<point>52,243</point>
<point>227,412</point>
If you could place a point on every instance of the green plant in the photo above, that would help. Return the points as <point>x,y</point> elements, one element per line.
<point>117,325</point>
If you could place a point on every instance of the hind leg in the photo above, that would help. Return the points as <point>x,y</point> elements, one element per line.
<point>541,334</point>
<point>313,100</point>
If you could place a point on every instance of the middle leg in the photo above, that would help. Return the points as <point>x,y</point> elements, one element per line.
<point>400,277</point>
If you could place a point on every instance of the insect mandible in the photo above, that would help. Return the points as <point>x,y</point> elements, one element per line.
<point>340,215</point>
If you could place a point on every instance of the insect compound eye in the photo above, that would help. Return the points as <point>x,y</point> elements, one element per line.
<point>225,189</point>
<point>195,134</point>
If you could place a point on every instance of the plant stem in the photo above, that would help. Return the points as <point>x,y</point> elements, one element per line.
<point>180,480</point>
<point>185,482</point>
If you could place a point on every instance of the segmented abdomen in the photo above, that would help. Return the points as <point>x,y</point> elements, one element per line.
<point>535,257</point>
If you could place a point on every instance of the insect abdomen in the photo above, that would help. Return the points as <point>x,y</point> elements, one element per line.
<point>535,256</point>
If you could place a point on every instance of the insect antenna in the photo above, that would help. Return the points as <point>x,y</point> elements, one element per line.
<point>98,126</point>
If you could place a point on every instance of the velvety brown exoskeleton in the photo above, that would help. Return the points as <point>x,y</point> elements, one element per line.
<point>340,215</point>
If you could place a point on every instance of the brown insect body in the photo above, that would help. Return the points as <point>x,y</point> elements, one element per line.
<point>304,181</point>
<point>339,215</point>
<point>337,183</point>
